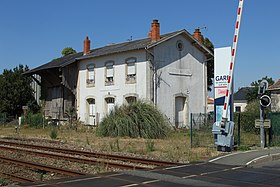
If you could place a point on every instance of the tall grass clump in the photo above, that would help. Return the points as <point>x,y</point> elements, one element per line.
<point>138,119</point>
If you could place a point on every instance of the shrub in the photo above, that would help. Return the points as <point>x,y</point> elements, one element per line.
<point>138,119</point>
<point>33,120</point>
<point>150,145</point>
<point>53,133</point>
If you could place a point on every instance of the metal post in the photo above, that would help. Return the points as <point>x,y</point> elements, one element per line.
<point>238,130</point>
<point>191,129</point>
<point>262,126</point>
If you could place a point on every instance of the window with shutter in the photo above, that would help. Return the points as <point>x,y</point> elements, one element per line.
<point>109,79</point>
<point>131,70</point>
<point>110,101</point>
<point>90,75</point>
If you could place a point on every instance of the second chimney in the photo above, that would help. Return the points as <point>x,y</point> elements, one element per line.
<point>86,46</point>
<point>155,31</point>
<point>197,35</point>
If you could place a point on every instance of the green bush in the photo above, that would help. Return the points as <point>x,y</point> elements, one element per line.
<point>33,120</point>
<point>53,133</point>
<point>247,118</point>
<point>138,119</point>
<point>150,145</point>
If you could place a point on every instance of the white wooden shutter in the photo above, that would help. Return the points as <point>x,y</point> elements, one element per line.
<point>109,69</point>
<point>110,107</point>
<point>92,109</point>
<point>131,69</point>
<point>91,74</point>
<point>110,72</point>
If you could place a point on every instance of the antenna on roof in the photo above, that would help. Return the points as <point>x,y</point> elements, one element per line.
<point>204,27</point>
<point>130,39</point>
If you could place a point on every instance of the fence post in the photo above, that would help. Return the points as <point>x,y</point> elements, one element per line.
<point>238,130</point>
<point>191,129</point>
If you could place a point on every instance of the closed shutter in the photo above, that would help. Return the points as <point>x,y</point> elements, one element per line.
<point>91,74</point>
<point>92,109</point>
<point>110,107</point>
<point>131,69</point>
<point>109,69</point>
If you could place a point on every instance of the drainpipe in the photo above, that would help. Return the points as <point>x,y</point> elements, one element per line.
<point>154,76</point>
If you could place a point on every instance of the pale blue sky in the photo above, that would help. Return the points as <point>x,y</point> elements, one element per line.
<point>33,32</point>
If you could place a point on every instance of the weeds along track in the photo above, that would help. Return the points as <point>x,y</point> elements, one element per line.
<point>36,166</point>
<point>125,162</point>
<point>74,159</point>
<point>16,178</point>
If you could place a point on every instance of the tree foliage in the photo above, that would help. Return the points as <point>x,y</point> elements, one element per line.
<point>253,93</point>
<point>210,64</point>
<point>16,91</point>
<point>67,51</point>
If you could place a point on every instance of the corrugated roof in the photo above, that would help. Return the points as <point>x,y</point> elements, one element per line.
<point>115,48</point>
<point>275,86</point>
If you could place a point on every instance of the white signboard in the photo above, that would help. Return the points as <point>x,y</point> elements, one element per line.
<point>222,58</point>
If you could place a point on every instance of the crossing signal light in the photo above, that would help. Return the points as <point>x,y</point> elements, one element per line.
<point>265,101</point>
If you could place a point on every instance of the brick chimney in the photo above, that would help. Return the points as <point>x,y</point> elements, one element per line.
<point>86,46</point>
<point>155,31</point>
<point>197,35</point>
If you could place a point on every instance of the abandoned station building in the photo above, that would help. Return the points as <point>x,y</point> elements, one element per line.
<point>169,70</point>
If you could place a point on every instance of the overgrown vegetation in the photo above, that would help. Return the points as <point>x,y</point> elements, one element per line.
<point>33,120</point>
<point>138,119</point>
<point>53,133</point>
<point>3,182</point>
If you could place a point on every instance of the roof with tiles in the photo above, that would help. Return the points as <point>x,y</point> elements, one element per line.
<point>115,48</point>
<point>275,86</point>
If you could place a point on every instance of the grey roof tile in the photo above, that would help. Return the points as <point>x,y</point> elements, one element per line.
<point>111,49</point>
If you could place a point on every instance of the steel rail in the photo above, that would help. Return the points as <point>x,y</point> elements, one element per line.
<point>16,178</point>
<point>74,159</point>
<point>92,154</point>
<point>40,166</point>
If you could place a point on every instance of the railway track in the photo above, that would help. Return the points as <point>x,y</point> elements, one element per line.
<point>16,178</point>
<point>74,159</point>
<point>90,154</point>
<point>40,166</point>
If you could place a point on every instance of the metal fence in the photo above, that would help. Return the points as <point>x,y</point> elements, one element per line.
<point>3,118</point>
<point>245,133</point>
<point>274,138</point>
<point>201,130</point>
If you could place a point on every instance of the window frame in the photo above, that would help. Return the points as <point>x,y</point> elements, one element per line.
<point>109,80</point>
<point>90,82</point>
<point>130,78</point>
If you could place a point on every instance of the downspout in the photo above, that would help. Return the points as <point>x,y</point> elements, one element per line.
<point>154,75</point>
<point>205,86</point>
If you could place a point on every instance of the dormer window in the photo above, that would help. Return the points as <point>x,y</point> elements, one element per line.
<point>109,73</point>
<point>131,70</point>
<point>90,75</point>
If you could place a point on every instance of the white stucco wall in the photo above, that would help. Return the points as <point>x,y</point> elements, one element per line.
<point>275,101</point>
<point>120,88</point>
<point>181,74</point>
<point>240,104</point>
